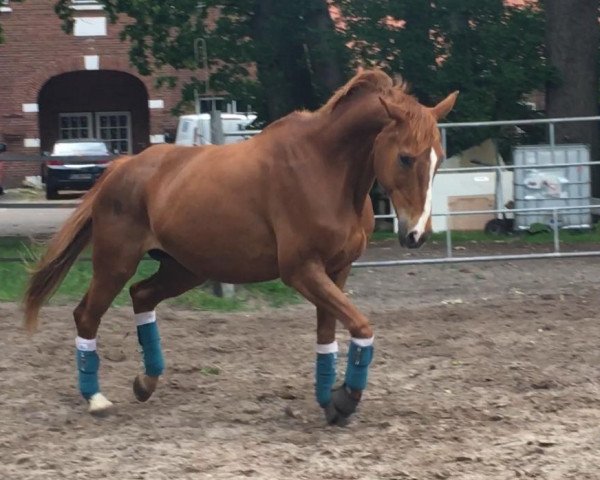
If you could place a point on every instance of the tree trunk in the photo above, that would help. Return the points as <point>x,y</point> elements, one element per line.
<point>572,41</point>
<point>268,71</point>
<point>326,50</point>
<point>281,58</point>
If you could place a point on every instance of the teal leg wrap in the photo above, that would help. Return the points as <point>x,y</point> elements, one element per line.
<point>325,377</point>
<point>357,372</point>
<point>149,339</point>
<point>88,364</point>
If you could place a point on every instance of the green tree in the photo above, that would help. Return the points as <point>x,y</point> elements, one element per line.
<point>280,55</point>
<point>491,52</point>
<point>572,42</point>
<point>293,47</point>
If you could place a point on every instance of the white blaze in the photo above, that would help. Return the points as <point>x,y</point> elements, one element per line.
<point>422,222</point>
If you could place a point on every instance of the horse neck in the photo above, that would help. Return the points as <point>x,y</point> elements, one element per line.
<point>350,136</point>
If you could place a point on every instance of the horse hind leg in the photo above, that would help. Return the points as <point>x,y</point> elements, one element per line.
<point>113,266</point>
<point>171,280</point>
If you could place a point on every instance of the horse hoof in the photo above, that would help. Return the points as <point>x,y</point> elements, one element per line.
<point>333,417</point>
<point>99,405</point>
<point>140,391</point>
<point>341,407</point>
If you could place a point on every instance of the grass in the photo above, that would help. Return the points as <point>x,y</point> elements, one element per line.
<point>13,279</point>
<point>570,236</point>
<point>13,275</point>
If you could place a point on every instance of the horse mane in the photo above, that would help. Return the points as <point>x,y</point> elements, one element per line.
<point>375,80</point>
<point>422,124</point>
<point>394,90</point>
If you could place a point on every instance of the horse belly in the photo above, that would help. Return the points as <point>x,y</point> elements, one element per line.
<point>232,255</point>
<point>236,267</point>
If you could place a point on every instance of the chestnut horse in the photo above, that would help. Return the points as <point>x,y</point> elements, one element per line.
<point>292,202</point>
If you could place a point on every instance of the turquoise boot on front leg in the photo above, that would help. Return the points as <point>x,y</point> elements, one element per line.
<point>345,399</point>
<point>325,372</point>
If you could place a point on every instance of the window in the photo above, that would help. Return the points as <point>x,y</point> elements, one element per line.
<point>206,104</point>
<point>79,148</point>
<point>112,127</point>
<point>5,6</point>
<point>115,129</point>
<point>75,125</point>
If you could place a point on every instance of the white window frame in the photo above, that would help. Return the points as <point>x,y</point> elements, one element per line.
<point>5,6</point>
<point>86,5</point>
<point>129,127</point>
<point>88,115</point>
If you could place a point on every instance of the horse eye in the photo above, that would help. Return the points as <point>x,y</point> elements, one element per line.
<point>406,161</point>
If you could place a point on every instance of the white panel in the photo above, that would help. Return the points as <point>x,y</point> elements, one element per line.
<point>92,62</point>
<point>157,139</point>
<point>89,26</point>
<point>462,184</point>
<point>31,143</point>
<point>156,104</point>
<point>30,107</point>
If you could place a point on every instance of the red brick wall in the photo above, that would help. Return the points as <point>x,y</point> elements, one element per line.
<point>36,49</point>
<point>13,171</point>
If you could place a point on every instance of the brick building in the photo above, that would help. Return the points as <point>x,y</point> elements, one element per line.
<point>55,85</point>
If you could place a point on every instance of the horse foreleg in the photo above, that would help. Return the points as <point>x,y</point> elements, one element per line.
<point>327,347</point>
<point>312,281</point>
<point>170,280</point>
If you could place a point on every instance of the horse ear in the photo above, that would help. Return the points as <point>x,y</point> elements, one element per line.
<point>445,106</point>
<point>395,112</point>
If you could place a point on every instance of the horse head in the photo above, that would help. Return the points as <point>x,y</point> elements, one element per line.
<point>407,154</point>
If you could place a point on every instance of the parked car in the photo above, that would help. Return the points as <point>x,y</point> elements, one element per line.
<point>74,165</point>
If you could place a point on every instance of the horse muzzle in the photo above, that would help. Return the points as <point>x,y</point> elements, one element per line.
<point>412,239</point>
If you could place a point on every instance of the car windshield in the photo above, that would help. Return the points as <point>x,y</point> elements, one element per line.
<point>79,148</point>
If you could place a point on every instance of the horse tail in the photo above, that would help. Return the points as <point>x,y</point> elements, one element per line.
<point>63,250</point>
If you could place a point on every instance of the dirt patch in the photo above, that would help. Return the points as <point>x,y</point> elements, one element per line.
<point>481,371</point>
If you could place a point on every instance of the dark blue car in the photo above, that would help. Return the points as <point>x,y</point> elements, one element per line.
<point>74,165</point>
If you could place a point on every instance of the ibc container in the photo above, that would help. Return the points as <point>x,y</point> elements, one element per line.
<point>544,185</point>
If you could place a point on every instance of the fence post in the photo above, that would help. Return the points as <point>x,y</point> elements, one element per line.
<point>499,189</point>
<point>555,230</point>
<point>444,141</point>
<point>224,290</point>
<point>448,237</point>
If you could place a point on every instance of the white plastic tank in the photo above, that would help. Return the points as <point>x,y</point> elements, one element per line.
<point>552,186</point>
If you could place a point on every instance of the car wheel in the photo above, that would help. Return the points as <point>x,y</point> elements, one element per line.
<point>51,192</point>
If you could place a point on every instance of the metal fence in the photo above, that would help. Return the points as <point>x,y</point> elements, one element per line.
<point>449,257</point>
<point>499,170</point>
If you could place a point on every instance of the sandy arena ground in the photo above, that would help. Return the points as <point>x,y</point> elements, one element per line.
<point>482,371</point>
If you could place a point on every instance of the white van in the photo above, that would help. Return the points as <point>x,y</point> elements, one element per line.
<point>195,129</point>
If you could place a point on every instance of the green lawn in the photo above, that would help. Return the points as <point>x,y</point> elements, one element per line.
<point>542,236</point>
<point>13,278</point>
<point>13,275</point>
